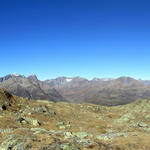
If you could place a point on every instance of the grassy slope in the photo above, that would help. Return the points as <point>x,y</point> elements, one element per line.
<point>43,125</point>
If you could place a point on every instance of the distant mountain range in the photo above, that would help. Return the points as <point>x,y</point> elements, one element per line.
<point>104,91</point>
<point>29,87</point>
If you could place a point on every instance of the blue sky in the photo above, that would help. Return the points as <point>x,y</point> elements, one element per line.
<point>88,38</point>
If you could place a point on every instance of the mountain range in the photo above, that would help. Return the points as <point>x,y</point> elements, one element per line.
<point>29,87</point>
<point>103,91</point>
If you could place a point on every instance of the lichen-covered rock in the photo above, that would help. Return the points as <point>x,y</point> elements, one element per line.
<point>69,146</point>
<point>12,142</point>
<point>143,125</point>
<point>39,109</point>
<point>35,122</point>
<point>26,120</point>
<point>110,136</point>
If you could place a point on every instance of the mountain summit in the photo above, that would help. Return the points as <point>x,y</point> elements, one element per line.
<point>103,91</point>
<point>29,87</point>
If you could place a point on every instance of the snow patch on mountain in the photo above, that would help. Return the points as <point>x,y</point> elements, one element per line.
<point>68,80</point>
<point>16,74</point>
<point>107,79</point>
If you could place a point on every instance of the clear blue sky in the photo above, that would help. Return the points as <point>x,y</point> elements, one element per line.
<point>88,38</point>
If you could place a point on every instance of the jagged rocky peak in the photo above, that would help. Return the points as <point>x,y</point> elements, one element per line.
<point>29,87</point>
<point>9,76</point>
<point>5,78</point>
<point>17,75</point>
<point>32,77</point>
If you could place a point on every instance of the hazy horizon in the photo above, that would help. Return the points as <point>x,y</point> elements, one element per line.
<point>27,75</point>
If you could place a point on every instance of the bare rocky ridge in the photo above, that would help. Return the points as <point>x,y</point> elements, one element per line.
<point>105,91</point>
<point>29,87</point>
<point>44,125</point>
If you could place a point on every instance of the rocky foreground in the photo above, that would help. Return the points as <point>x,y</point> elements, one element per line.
<point>43,125</point>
